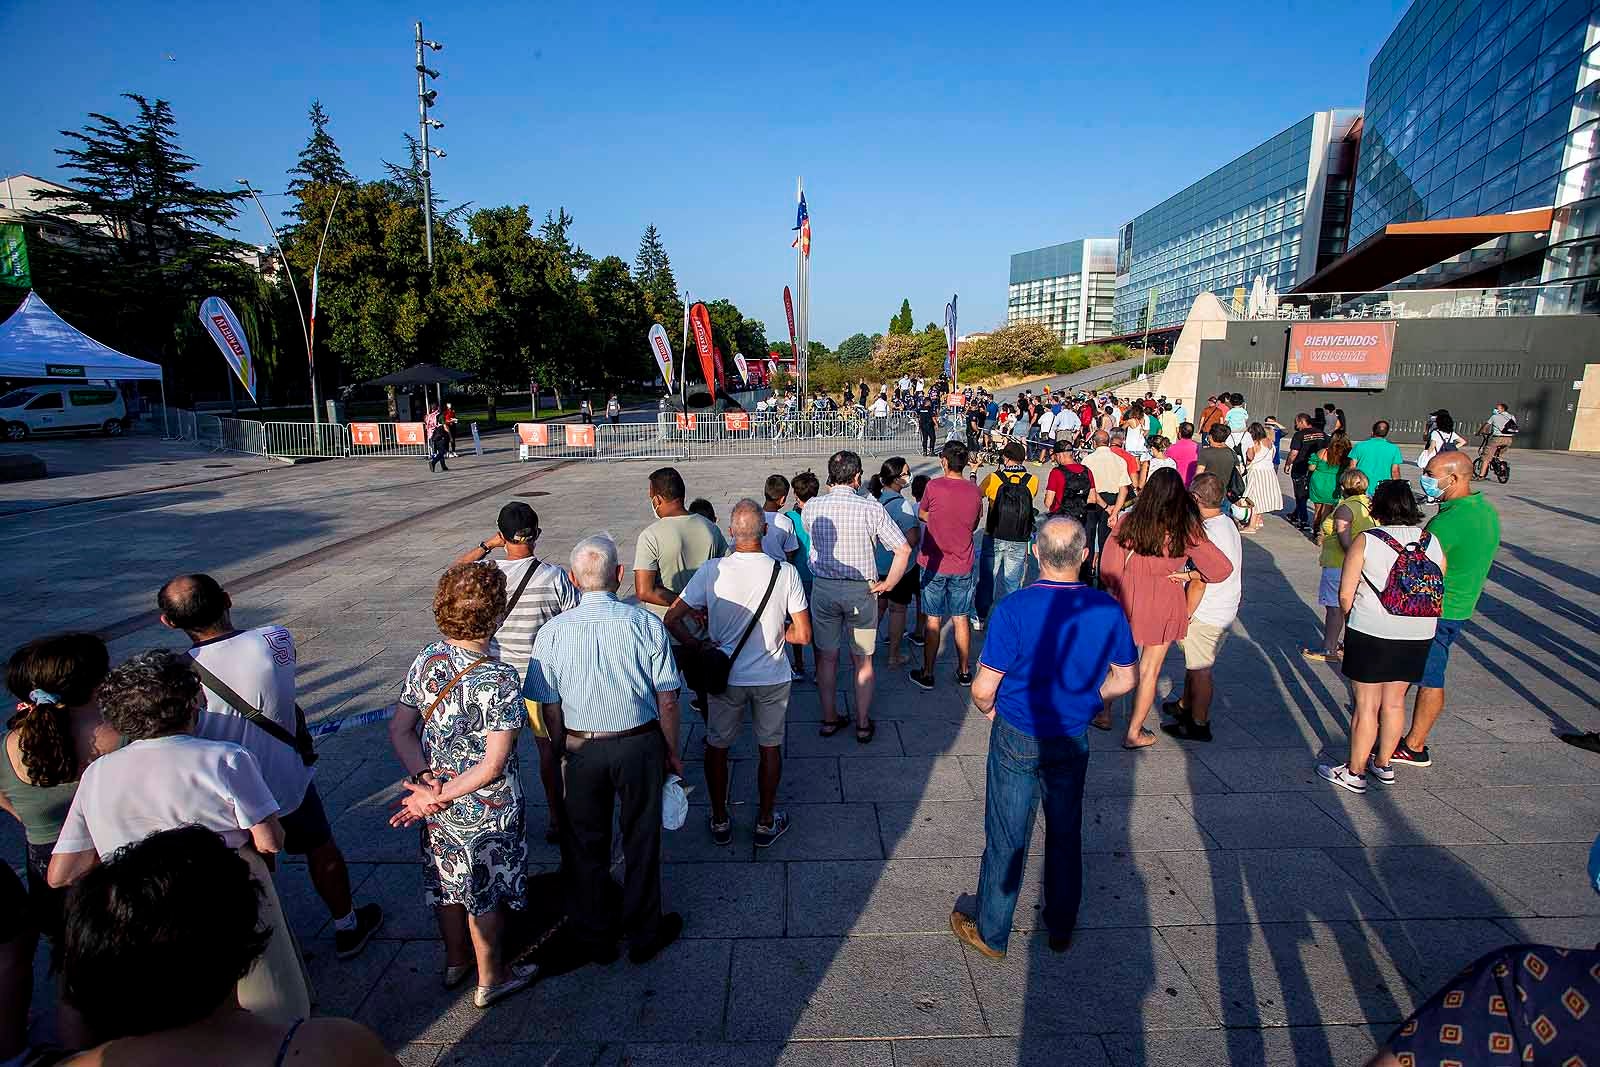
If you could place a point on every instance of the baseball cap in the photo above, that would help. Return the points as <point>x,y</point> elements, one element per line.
<point>517,522</point>
<point>1063,445</point>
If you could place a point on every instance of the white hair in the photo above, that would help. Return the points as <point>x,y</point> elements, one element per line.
<point>594,563</point>
<point>747,522</point>
<point>1060,542</point>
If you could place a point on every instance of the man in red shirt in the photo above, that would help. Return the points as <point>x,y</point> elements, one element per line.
<point>1070,491</point>
<point>950,509</point>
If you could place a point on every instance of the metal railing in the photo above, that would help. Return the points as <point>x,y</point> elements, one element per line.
<point>305,440</point>
<point>1560,298</point>
<point>704,435</point>
<point>387,440</point>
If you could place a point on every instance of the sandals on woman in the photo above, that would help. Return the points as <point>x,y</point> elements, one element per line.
<point>831,728</point>
<point>865,733</point>
<point>1146,739</point>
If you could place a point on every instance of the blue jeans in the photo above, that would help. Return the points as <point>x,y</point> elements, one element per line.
<point>1001,570</point>
<point>1023,770</point>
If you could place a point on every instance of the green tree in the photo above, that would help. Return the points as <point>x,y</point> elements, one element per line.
<point>653,271</point>
<point>900,325</point>
<point>319,162</point>
<point>856,348</point>
<point>620,322</point>
<point>553,232</point>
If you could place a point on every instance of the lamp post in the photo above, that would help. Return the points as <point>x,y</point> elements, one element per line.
<point>316,416</point>
<point>425,100</point>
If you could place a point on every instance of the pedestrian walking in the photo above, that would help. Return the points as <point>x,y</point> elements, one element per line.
<point>1306,442</point>
<point>1212,608</point>
<point>753,606</point>
<point>438,448</point>
<point>613,410</point>
<point>950,509</point>
<point>1324,469</point>
<point>1377,457</point>
<point>1055,653</point>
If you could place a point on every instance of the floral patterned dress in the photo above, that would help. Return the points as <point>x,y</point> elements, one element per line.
<point>474,851</point>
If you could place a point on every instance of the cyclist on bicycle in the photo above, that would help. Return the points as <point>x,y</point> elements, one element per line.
<point>1498,431</point>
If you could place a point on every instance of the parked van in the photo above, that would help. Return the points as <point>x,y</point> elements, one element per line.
<point>58,407</point>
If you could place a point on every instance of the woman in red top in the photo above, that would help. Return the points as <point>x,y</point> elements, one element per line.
<point>1153,540</point>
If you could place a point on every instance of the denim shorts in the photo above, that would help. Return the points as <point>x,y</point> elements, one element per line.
<point>1444,635</point>
<point>947,596</point>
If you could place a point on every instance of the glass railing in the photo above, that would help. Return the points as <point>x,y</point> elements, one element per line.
<point>1561,298</point>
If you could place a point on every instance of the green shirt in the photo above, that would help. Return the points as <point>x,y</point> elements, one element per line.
<point>1468,529</point>
<point>1376,457</point>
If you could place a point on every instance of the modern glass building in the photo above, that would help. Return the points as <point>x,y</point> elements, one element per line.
<point>1480,107</point>
<point>1280,211</point>
<point>1069,288</point>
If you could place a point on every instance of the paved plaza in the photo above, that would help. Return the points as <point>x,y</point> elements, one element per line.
<point>1236,908</point>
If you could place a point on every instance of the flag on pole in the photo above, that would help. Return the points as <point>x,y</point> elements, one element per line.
<point>14,257</point>
<point>950,340</point>
<point>788,309</point>
<point>802,222</point>
<point>218,319</point>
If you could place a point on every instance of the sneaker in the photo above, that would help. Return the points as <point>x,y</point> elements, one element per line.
<point>721,832</point>
<point>522,976</point>
<point>916,638</point>
<point>1173,709</point>
<point>349,943</point>
<point>1384,775</point>
<point>1186,729</point>
<point>767,833</point>
<point>1341,777</point>
<point>920,678</point>
<point>963,926</point>
<point>977,625</point>
<point>964,678</point>
<point>1411,757</point>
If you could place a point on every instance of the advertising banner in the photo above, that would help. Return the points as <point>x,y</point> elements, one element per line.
<point>218,319</point>
<point>661,349</point>
<point>736,420</point>
<point>533,433</point>
<point>410,433</point>
<point>788,309</point>
<point>950,340</point>
<point>700,322</point>
<point>743,367</point>
<point>14,257</point>
<point>579,436</point>
<point>1339,355</point>
<point>364,433</point>
<point>687,422</point>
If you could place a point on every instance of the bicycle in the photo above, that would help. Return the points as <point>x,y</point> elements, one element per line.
<point>1490,462</point>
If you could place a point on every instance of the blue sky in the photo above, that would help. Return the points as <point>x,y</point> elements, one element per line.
<point>935,140</point>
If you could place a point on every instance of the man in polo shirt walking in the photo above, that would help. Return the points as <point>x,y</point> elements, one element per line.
<point>843,525</point>
<point>1468,529</point>
<point>1056,651</point>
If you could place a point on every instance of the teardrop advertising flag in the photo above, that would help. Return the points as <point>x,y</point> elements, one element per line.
<point>950,340</point>
<point>661,348</point>
<point>218,319</point>
<point>716,365</point>
<point>700,321</point>
<point>788,309</point>
<point>743,366</point>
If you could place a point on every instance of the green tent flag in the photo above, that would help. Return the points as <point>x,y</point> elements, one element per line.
<point>14,257</point>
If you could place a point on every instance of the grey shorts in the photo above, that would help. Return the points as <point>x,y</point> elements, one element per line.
<point>837,606</point>
<point>769,706</point>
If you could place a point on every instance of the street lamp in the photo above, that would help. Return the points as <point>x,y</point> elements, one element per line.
<point>425,99</point>
<point>315,415</point>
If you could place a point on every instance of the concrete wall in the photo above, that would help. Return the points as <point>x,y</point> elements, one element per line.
<point>1464,365</point>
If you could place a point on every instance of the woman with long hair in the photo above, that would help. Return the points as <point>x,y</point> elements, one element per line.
<point>1260,476</point>
<point>1325,467</point>
<point>888,488</point>
<point>1161,535</point>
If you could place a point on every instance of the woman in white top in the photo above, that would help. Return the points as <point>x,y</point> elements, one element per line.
<point>1442,437</point>
<point>165,777</point>
<point>1260,476</point>
<point>1384,654</point>
<point>1158,446</point>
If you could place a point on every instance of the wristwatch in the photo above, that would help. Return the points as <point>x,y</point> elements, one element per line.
<point>483,547</point>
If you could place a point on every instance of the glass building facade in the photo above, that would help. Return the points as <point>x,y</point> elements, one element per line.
<point>1478,107</point>
<point>1279,211</point>
<point>1069,288</point>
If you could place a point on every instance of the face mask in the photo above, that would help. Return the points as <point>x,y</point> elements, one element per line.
<point>1432,488</point>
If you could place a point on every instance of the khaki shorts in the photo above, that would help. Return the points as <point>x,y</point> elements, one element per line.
<point>1200,645</point>
<point>839,605</point>
<point>769,706</point>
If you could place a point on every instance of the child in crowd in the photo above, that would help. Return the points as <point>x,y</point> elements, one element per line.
<point>702,507</point>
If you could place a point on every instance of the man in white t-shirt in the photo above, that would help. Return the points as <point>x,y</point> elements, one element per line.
<point>780,541</point>
<point>1212,609</point>
<point>1110,473</point>
<point>729,590</point>
<point>258,667</point>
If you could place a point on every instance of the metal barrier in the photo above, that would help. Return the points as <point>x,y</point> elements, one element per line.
<point>301,440</point>
<point>710,435</point>
<point>384,440</point>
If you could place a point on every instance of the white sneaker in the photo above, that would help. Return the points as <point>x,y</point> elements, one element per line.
<point>522,975</point>
<point>1341,777</point>
<point>1384,775</point>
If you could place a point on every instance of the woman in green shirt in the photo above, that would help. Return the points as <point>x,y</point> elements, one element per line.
<point>1325,467</point>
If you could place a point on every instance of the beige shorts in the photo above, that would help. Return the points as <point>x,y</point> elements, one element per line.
<point>769,705</point>
<point>839,605</point>
<point>1200,645</point>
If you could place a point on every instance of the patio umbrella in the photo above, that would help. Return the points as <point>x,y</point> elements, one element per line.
<point>423,374</point>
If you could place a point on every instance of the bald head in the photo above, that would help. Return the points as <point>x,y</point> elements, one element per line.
<point>747,525</point>
<point>1061,546</point>
<point>1454,473</point>
<point>194,603</point>
<point>1101,439</point>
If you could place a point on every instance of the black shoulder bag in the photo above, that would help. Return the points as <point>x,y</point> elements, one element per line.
<point>710,667</point>
<point>300,740</point>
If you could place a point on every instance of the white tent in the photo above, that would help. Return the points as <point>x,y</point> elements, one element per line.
<point>35,342</point>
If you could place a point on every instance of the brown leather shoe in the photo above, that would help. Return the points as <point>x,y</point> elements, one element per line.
<point>966,929</point>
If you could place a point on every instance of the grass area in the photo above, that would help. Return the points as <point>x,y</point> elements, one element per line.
<point>510,416</point>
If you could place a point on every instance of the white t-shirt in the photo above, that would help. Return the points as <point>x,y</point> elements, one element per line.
<point>731,588</point>
<point>1368,615</point>
<point>880,407</point>
<point>780,539</point>
<point>1047,422</point>
<point>1158,462</point>
<point>1135,443</point>
<point>1437,439</point>
<point>259,666</point>
<point>549,592</point>
<point>1219,605</point>
<point>163,783</point>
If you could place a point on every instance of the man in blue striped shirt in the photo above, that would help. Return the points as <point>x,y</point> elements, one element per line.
<point>607,686</point>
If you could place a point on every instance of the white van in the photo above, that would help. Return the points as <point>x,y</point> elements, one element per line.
<point>62,408</point>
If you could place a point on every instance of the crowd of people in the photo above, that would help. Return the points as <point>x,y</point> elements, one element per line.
<point>145,786</point>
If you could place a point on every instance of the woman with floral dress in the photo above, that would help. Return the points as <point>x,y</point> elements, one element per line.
<point>455,730</point>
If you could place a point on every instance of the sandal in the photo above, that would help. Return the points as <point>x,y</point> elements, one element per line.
<point>1101,722</point>
<point>865,733</point>
<point>831,728</point>
<point>1143,743</point>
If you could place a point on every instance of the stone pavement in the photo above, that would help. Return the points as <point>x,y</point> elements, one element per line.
<point>1236,908</point>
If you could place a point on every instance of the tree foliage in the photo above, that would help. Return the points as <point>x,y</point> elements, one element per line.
<point>900,324</point>
<point>319,162</point>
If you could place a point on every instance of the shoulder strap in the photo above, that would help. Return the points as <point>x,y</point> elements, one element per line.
<point>300,740</point>
<point>756,618</point>
<point>451,684</point>
<point>516,596</point>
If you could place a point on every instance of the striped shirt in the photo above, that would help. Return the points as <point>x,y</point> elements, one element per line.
<point>603,662</point>
<point>843,525</point>
<point>548,593</point>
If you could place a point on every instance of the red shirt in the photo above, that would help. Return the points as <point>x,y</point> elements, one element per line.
<point>1057,482</point>
<point>952,505</point>
<point>1127,457</point>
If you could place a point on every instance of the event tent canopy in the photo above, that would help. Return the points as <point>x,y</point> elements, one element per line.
<point>36,343</point>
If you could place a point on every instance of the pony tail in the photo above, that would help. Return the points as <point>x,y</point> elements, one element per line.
<point>44,736</point>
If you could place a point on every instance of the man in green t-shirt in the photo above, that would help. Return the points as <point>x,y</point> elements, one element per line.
<point>1377,457</point>
<point>1468,529</point>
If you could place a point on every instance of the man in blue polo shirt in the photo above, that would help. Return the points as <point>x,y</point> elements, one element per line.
<point>1056,651</point>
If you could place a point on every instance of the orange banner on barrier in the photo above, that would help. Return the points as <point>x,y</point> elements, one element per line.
<point>410,433</point>
<point>579,436</point>
<point>533,433</point>
<point>364,433</point>
<point>737,420</point>
<point>687,422</point>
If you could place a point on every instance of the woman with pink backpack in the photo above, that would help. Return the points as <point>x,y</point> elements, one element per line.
<point>1392,591</point>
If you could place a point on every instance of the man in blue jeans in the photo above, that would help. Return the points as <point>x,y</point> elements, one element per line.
<point>1010,490</point>
<point>1056,651</point>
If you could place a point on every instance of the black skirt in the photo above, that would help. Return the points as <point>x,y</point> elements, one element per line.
<point>1383,659</point>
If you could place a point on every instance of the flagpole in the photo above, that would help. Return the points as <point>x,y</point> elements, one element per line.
<point>683,371</point>
<point>800,292</point>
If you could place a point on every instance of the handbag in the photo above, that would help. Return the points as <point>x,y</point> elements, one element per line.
<point>300,740</point>
<point>707,669</point>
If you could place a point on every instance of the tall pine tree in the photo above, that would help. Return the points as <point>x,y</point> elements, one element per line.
<point>319,162</point>
<point>901,324</point>
<point>653,271</point>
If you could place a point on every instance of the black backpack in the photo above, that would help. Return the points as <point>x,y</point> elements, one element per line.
<point>1011,514</point>
<point>1074,499</point>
